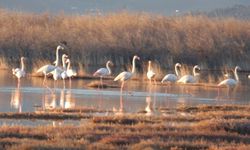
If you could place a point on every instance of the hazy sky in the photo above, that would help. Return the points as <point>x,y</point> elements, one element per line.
<point>165,7</point>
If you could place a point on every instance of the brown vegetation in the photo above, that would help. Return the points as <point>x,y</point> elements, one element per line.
<point>92,40</point>
<point>200,127</point>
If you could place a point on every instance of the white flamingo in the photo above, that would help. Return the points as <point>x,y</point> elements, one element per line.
<point>70,72</point>
<point>58,72</point>
<point>172,77</point>
<point>46,69</point>
<point>190,78</point>
<point>19,72</point>
<point>125,75</point>
<point>104,71</point>
<point>231,82</point>
<point>150,74</point>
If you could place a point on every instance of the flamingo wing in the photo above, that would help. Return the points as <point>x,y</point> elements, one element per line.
<point>101,72</point>
<point>46,69</point>
<point>71,73</point>
<point>228,82</point>
<point>169,78</point>
<point>187,79</point>
<point>150,74</point>
<point>20,73</point>
<point>123,76</point>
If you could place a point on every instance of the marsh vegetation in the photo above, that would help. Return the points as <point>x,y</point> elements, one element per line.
<point>199,127</point>
<point>92,40</point>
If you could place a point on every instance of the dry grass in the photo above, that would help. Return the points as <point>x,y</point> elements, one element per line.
<point>202,127</point>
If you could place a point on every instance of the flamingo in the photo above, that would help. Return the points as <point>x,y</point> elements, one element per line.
<point>19,72</point>
<point>70,72</point>
<point>46,69</point>
<point>104,71</point>
<point>150,73</point>
<point>126,75</point>
<point>190,78</point>
<point>58,72</point>
<point>172,77</point>
<point>231,82</point>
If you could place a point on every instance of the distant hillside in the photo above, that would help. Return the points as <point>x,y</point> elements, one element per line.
<point>238,11</point>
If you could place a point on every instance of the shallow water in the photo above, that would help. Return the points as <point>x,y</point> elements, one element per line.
<point>137,96</point>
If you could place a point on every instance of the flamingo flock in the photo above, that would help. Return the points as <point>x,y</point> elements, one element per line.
<point>66,71</point>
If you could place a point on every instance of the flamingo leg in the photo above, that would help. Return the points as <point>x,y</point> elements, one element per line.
<point>121,97</point>
<point>44,79</point>
<point>45,83</point>
<point>218,93</point>
<point>101,91</point>
<point>101,83</point>
<point>154,103</point>
<point>154,81</point>
<point>122,86</point>
<point>63,83</point>
<point>70,82</point>
<point>18,83</point>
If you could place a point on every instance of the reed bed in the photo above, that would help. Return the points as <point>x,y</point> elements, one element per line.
<point>92,40</point>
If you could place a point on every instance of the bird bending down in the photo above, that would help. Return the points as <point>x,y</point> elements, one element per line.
<point>126,75</point>
<point>150,74</point>
<point>104,71</point>
<point>46,69</point>
<point>190,78</point>
<point>172,77</point>
<point>231,82</point>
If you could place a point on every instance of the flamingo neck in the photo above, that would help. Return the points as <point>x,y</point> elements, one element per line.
<point>149,67</point>
<point>236,74</point>
<point>194,72</point>
<point>107,66</point>
<point>63,62</point>
<point>133,67</point>
<point>68,67</point>
<point>57,57</point>
<point>176,71</point>
<point>22,65</point>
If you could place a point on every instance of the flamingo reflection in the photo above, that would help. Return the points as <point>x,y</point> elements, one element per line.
<point>121,109</point>
<point>150,105</point>
<point>69,100</point>
<point>16,98</point>
<point>149,109</point>
<point>49,101</point>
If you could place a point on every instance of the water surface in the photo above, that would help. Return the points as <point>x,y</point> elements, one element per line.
<point>137,96</point>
